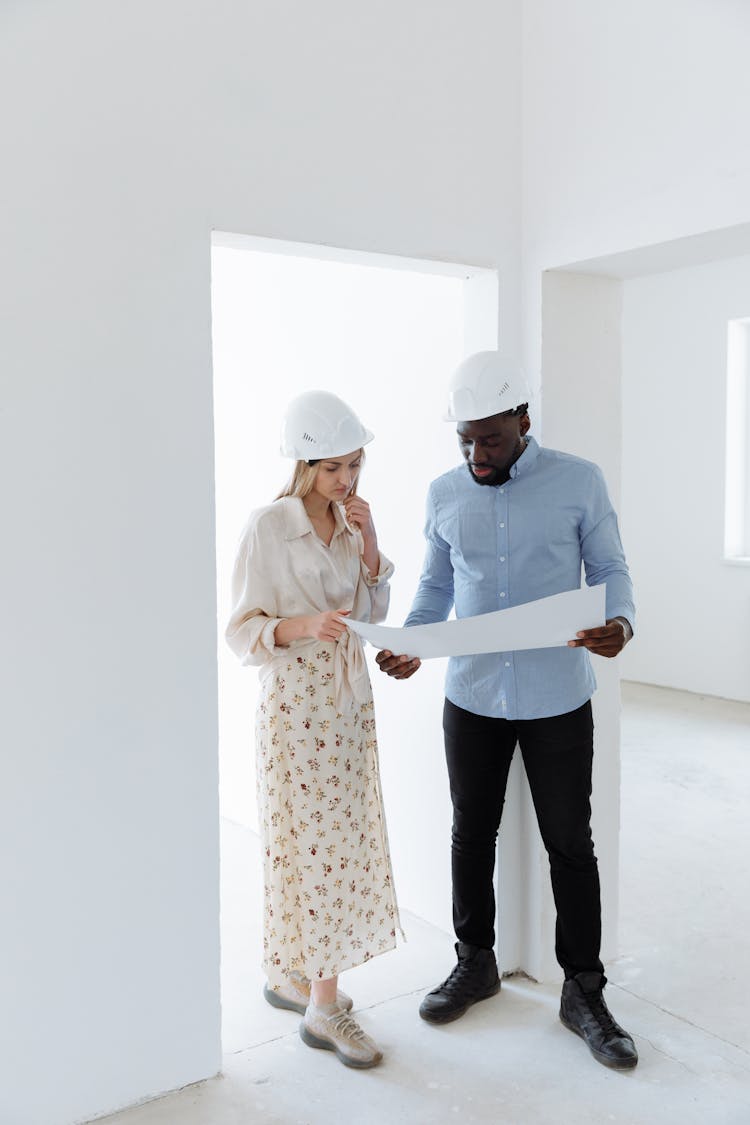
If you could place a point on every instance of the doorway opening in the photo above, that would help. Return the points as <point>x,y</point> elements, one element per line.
<point>384,333</point>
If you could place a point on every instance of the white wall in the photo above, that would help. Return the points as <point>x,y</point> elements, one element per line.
<point>635,125</point>
<point>634,133</point>
<point>634,130</point>
<point>694,608</point>
<point>134,129</point>
<point>582,365</point>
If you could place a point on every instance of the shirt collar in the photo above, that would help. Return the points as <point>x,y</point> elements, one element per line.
<point>340,518</point>
<point>527,458</point>
<point>297,522</point>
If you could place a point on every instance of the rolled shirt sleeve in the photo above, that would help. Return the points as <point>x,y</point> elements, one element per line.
<point>250,632</point>
<point>378,587</point>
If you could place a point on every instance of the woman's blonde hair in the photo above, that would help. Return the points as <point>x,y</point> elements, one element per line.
<point>303,478</point>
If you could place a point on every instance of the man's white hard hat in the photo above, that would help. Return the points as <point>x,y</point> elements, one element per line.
<point>318,424</point>
<point>484,384</point>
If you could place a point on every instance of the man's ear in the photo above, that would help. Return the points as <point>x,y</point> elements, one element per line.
<point>525,424</point>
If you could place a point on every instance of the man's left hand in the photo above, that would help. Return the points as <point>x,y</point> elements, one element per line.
<point>605,640</point>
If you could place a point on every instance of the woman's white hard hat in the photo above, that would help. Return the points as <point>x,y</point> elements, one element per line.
<point>484,384</point>
<point>318,424</point>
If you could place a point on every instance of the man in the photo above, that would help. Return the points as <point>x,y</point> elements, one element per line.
<point>513,525</point>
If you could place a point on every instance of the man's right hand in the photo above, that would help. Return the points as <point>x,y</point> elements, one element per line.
<point>400,667</point>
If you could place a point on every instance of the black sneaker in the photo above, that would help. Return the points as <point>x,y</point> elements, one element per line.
<point>584,1011</point>
<point>474,978</point>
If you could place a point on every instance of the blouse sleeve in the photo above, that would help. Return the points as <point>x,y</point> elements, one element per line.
<point>254,617</point>
<point>378,588</point>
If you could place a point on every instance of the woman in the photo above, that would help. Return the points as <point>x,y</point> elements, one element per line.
<point>305,562</point>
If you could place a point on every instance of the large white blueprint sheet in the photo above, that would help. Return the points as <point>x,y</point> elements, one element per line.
<point>546,623</point>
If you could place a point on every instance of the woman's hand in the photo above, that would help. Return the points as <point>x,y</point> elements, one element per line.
<point>326,626</point>
<point>358,514</point>
<point>319,626</point>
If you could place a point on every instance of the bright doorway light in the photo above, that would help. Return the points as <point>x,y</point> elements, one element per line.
<point>381,332</point>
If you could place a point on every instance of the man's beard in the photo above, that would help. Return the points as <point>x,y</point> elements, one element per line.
<point>491,478</point>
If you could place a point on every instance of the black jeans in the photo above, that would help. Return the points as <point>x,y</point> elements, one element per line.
<point>557,754</point>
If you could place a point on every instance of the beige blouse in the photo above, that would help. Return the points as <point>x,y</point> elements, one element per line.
<point>284,569</point>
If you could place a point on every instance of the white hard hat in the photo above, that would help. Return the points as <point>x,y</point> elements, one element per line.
<point>318,424</point>
<point>486,383</point>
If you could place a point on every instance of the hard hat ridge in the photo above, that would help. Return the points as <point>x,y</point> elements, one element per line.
<point>484,384</point>
<point>319,424</point>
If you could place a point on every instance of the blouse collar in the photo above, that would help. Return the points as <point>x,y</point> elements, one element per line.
<point>297,522</point>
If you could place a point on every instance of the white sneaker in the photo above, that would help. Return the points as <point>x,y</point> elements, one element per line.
<point>294,995</point>
<point>333,1029</point>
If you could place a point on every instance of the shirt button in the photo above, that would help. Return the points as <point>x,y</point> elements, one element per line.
<point>502,558</point>
<point>502,525</point>
<point>502,595</point>
<point>507,663</point>
<point>502,491</point>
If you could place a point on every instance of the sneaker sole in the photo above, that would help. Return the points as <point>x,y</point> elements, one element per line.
<point>605,1060</point>
<point>325,1045</point>
<point>456,1014</point>
<point>277,1001</point>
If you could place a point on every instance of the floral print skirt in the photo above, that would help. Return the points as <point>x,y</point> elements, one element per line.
<point>328,886</point>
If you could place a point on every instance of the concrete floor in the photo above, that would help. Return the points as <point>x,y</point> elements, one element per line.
<point>680,986</point>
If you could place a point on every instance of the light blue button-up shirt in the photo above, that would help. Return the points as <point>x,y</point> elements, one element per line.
<point>491,547</point>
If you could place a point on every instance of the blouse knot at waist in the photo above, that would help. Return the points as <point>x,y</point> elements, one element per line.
<point>350,677</point>
<point>351,680</point>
